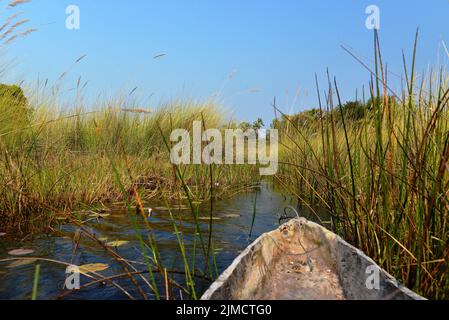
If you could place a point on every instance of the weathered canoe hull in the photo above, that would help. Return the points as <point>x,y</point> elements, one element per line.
<point>303,260</point>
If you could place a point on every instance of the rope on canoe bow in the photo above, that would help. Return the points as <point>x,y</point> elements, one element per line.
<point>286,216</point>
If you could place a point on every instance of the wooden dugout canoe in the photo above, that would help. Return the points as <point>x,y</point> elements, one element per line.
<point>304,261</point>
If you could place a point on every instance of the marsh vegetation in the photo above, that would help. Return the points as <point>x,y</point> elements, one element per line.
<point>378,166</point>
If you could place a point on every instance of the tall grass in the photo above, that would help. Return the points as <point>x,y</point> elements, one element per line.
<point>62,158</point>
<point>14,25</point>
<point>384,178</point>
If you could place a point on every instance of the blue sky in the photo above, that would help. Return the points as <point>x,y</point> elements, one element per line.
<point>245,51</point>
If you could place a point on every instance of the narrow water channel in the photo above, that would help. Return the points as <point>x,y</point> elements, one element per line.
<point>231,227</point>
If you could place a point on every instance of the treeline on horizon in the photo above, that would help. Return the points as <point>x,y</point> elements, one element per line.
<point>353,111</point>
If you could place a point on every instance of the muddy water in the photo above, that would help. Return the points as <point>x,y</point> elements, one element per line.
<point>232,223</point>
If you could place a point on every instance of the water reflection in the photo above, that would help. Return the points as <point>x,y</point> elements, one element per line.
<point>232,223</point>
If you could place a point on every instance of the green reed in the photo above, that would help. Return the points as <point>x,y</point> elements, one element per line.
<point>62,158</point>
<point>384,178</point>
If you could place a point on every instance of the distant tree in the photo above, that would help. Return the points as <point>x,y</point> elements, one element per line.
<point>258,124</point>
<point>314,113</point>
<point>354,110</point>
<point>276,124</point>
<point>14,94</point>
<point>374,103</point>
<point>378,103</point>
<point>15,113</point>
<point>245,126</point>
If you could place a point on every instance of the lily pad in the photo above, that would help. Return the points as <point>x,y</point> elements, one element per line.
<point>117,243</point>
<point>93,267</point>
<point>20,252</point>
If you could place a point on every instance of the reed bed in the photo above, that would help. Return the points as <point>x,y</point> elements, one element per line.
<point>64,159</point>
<point>56,163</point>
<point>384,178</point>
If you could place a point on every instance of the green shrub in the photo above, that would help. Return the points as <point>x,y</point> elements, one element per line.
<point>15,112</point>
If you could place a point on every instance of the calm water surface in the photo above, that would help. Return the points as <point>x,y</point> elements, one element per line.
<point>230,236</point>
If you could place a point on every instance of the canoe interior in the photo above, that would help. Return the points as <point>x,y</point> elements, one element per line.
<point>304,261</point>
